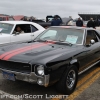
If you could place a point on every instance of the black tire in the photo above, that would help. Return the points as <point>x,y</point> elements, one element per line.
<point>67,84</point>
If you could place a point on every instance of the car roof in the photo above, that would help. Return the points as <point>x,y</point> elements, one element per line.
<point>74,27</point>
<point>17,22</point>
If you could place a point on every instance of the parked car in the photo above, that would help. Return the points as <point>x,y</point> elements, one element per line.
<point>57,55</point>
<point>6,18</point>
<point>8,32</point>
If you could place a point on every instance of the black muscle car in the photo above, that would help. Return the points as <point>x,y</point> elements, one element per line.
<point>57,55</point>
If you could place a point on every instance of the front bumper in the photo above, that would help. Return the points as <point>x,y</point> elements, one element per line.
<point>32,77</point>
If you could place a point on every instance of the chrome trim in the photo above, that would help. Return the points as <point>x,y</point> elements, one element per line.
<point>71,77</point>
<point>88,68</point>
<point>83,37</point>
<point>47,77</point>
<point>35,68</point>
<point>31,77</point>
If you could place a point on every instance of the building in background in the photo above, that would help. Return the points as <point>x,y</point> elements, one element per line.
<point>87,15</point>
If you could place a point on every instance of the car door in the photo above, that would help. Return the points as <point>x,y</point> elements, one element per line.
<point>26,36</point>
<point>4,38</point>
<point>92,51</point>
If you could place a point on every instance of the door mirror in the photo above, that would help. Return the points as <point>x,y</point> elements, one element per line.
<point>16,33</point>
<point>92,41</point>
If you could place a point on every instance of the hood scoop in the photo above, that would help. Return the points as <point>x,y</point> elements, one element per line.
<point>37,52</point>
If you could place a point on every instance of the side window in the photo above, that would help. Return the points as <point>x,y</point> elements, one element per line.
<point>91,35</point>
<point>33,29</point>
<point>97,35</point>
<point>22,28</point>
<point>27,28</point>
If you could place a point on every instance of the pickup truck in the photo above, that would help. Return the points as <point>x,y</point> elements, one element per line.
<point>49,18</point>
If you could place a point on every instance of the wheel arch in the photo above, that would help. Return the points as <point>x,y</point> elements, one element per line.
<point>75,62</point>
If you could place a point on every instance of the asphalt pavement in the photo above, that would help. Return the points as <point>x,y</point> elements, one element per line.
<point>88,88</point>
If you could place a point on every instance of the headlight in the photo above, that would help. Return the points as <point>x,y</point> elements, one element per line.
<point>40,70</point>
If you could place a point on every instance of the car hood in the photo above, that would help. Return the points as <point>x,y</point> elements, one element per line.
<point>34,52</point>
<point>3,35</point>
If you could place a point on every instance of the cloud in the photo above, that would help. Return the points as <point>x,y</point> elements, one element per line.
<point>42,8</point>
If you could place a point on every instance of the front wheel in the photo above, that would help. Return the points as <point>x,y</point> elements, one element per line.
<point>68,80</point>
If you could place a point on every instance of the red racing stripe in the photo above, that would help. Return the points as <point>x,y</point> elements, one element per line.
<point>4,54</point>
<point>23,50</point>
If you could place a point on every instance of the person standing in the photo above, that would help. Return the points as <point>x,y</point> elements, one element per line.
<point>56,21</point>
<point>32,19</point>
<point>25,18</point>
<point>91,23</point>
<point>79,22</point>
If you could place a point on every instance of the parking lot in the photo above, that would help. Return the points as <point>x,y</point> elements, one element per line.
<point>88,88</point>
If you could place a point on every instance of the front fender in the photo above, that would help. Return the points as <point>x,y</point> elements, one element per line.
<point>75,62</point>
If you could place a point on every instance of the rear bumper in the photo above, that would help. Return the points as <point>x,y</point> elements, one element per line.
<point>31,78</point>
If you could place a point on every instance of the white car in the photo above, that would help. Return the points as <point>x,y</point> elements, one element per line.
<point>8,32</point>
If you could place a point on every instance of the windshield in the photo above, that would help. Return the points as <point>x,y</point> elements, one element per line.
<point>5,28</point>
<point>50,19</point>
<point>73,36</point>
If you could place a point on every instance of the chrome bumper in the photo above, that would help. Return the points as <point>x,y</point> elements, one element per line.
<point>32,77</point>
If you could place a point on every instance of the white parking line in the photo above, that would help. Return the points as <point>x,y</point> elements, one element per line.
<point>7,95</point>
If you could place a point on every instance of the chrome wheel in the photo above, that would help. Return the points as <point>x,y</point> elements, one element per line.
<point>71,77</point>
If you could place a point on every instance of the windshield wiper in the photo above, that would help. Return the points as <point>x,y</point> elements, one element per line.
<point>40,40</point>
<point>65,42</point>
<point>56,41</point>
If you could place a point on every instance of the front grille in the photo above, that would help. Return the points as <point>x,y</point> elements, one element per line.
<point>15,66</point>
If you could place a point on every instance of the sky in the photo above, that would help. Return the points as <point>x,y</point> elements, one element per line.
<point>42,8</point>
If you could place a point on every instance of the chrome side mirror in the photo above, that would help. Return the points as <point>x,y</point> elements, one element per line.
<point>92,41</point>
<point>17,33</point>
